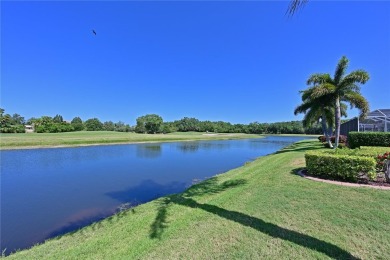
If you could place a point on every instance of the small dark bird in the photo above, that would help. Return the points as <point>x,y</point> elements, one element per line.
<point>94,32</point>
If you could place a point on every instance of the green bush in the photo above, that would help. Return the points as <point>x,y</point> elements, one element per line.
<point>12,129</point>
<point>340,166</point>
<point>357,139</point>
<point>367,151</point>
<point>93,124</point>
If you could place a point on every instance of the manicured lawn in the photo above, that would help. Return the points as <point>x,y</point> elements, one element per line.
<point>34,140</point>
<point>259,211</point>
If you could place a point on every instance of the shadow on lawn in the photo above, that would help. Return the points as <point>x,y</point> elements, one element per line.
<point>297,147</point>
<point>260,225</point>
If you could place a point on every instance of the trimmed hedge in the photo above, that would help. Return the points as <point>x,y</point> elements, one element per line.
<point>340,166</point>
<point>357,139</point>
<point>367,151</point>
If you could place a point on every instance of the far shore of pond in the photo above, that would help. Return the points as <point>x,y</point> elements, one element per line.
<point>84,138</point>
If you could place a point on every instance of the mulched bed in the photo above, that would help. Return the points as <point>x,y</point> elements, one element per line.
<point>380,180</point>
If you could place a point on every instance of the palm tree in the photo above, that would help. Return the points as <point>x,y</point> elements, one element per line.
<point>342,88</point>
<point>316,109</point>
<point>295,5</point>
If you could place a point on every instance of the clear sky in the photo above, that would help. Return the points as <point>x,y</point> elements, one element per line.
<point>214,60</point>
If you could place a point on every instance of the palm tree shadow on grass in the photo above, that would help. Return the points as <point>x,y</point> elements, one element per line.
<point>297,147</point>
<point>184,199</point>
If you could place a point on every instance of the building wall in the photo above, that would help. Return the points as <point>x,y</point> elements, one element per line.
<point>351,125</point>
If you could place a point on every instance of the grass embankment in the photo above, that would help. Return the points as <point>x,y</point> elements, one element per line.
<point>260,210</point>
<point>35,140</point>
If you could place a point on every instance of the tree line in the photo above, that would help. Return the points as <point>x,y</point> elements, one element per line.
<point>56,124</point>
<point>153,123</point>
<point>149,124</point>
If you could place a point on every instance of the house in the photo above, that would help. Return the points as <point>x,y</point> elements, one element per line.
<point>29,128</point>
<point>376,121</point>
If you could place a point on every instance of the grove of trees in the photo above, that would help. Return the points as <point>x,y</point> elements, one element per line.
<point>11,124</point>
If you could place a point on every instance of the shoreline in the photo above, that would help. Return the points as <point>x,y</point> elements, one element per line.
<point>223,138</point>
<point>168,138</point>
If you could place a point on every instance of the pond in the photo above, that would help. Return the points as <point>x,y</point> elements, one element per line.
<point>48,192</point>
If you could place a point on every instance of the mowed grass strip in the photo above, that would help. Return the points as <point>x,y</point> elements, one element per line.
<point>260,210</point>
<point>36,140</point>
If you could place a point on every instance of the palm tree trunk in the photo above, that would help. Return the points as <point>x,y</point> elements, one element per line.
<point>330,133</point>
<point>338,121</point>
<point>325,130</point>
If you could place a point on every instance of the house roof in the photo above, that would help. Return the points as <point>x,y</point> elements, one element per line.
<point>379,115</point>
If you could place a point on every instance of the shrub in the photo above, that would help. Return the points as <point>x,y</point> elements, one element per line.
<point>12,129</point>
<point>366,151</point>
<point>342,141</point>
<point>357,139</point>
<point>340,166</point>
<point>381,159</point>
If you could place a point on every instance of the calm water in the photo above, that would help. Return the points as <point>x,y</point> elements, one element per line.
<point>47,192</point>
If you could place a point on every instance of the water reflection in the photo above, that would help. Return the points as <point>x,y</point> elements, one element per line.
<point>190,147</point>
<point>149,151</point>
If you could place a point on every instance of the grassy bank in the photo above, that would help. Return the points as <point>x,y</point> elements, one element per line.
<point>35,140</point>
<point>260,210</point>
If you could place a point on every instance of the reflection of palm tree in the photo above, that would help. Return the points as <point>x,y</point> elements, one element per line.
<point>342,88</point>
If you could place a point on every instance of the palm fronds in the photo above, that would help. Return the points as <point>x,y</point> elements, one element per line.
<point>294,6</point>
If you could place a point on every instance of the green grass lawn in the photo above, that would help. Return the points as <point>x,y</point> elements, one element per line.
<point>259,211</point>
<point>35,140</point>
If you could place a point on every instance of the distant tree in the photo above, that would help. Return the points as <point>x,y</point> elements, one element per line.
<point>222,127</point>
<point>5,122</point>
<point>122,127</point>
<point>240,128</point>
<point>108,126</point>
<point>17,119</point>
<point>77,124</point>
<point>31,121</point>
<point>150,124</point>
<point>46,124</point>
<point>140,127</point>
<point>206,126</point>
<point>168,127</point>
<point>93,124</point>
<point>188,124</point>
<point>256,128</point>
<point>58,119</point>
<point>11,124</point>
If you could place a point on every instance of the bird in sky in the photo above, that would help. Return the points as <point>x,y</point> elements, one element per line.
<point>94,32</point>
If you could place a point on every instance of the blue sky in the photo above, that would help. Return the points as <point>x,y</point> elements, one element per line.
<point>214,60</point>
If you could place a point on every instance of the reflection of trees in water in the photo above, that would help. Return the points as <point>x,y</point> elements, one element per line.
<point>149,150</point>
<point>279,141</point>
<point>188,147</point>
<point>195,146</point>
